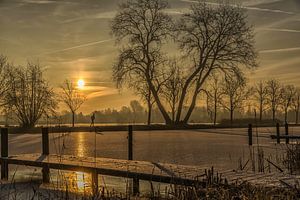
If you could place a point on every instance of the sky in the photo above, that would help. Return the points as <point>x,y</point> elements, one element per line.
<point>72,40</point>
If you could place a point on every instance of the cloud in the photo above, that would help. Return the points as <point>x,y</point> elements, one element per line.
<point>247,7</point>
<point>76,47</point>
<point>102,15</point>
<point>39,1</point>
<point>279,30</point>
<point>100,91</point>
<point>279,50</point>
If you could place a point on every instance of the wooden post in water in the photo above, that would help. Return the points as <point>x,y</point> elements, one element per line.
<point>278,133</point>
<point>135,181</point>
<point>45,152</point>
<point>287,140</point>
<point>250,134</point>
<point>4,153</point>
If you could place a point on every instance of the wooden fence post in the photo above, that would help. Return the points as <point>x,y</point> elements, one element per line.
<point>135,181</point>
<point>250,134</point>
<point>130,151</point>
<point>278,133</point>
<point>4,153</point>
<point>45,152</point>
<point>287,141</point>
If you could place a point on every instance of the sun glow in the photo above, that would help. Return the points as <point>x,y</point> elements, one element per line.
<point>80,83</point>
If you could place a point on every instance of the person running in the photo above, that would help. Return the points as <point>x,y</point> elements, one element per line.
<point>93,119</point>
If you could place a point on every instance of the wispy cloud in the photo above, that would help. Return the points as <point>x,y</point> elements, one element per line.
<point>75,47</point>
<point>279,50</point>
<point>279,30</point>
<point>247,7</point>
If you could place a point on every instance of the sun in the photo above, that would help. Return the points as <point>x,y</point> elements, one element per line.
<point>80,83</point>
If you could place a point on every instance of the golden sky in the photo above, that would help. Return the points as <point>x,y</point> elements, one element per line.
<point>72,39</point>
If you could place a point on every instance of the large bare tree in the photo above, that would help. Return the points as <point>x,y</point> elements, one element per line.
<point>72,98</point>
<point>274,96</point>
<point>143,26</point>
<point>29,95</point>
<point>215,38</point>
<point>261,96</point>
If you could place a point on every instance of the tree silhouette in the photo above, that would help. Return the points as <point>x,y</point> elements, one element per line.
<point>143,26</point>
<point>235,93</point>
<point>261,95</point>
<point>288,93</point>
<point>296,104</point>
<point>29,95</point>
<point>274,96</point>
<point>214,38</point>
<point>214,95</point>
<point>72,98</point>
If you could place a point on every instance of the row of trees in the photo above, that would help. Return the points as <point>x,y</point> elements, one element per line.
<point>264,97</point>
<point>210,39</point>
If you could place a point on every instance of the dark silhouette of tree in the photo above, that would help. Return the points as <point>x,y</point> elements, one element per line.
<point>288,93</point>
<point>261,96</point>
<point>29,95</point>
<point>215,38</point>
<point>72,98</point>
<point>274,96</point>
<point>296,104</point>
<point>214,94</point>
<point>143,26</point>
<point>234,94</point>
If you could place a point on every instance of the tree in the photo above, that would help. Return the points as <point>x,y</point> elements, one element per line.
<point>143,26</point>
<point>215,38</point>
<point>296,104</point>
<point>288,93</point>
<point>29,95</point>
<point>235,93</point>
<point>261,95</point>
<point>274,96</point>
<point>214,95</point>
<point>72,98</point>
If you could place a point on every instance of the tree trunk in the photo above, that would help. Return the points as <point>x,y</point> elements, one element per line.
<point>149,113</point>
<point>285,115</point>
<point>191,108</point>
<point>215,114</point>
<point>159,104</point>
<point>260,111</point>
<point>273,114</point>
<point>73,118</point>
<point>231,116</point>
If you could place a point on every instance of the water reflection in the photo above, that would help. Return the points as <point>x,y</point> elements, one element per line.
<point>78,182</point>
<point>80,145</point>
